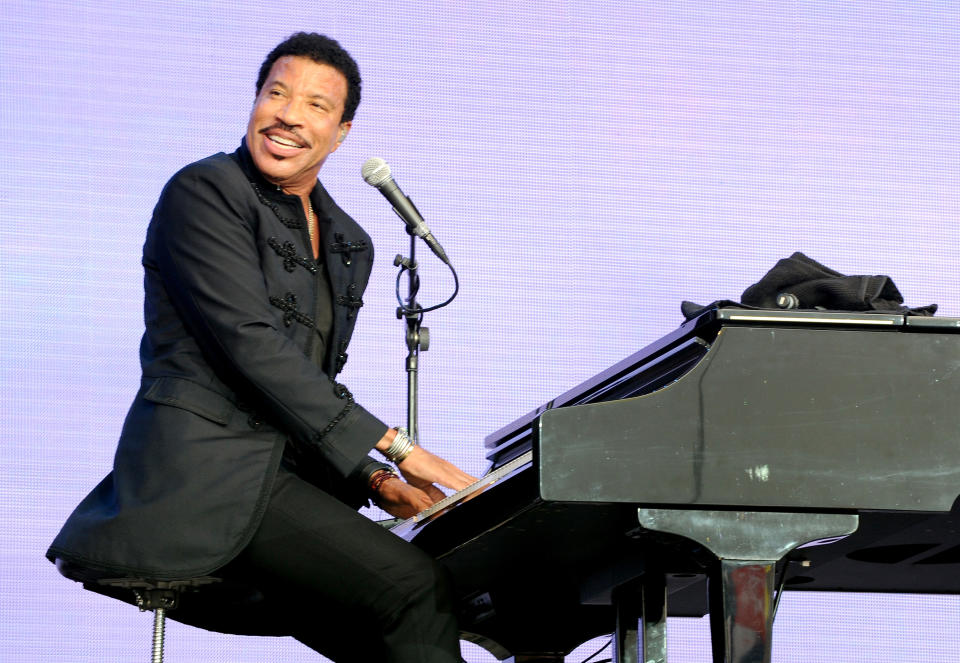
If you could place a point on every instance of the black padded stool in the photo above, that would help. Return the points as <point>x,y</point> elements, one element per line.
<point>156,595</point>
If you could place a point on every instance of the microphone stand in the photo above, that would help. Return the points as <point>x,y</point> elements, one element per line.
<point>417,336</point>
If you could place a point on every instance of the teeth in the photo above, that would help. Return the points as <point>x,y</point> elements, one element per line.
<point>283,141</point>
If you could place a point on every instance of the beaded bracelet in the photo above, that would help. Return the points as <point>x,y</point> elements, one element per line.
<point>379,478</point>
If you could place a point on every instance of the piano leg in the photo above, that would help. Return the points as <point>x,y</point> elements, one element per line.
<point>641,629</point>
<point>625,643</point>
<point>741,621</point>
<point>748,545</point>
<point>654,619</point>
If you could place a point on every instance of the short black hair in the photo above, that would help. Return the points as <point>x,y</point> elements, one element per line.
<point>323,50</point>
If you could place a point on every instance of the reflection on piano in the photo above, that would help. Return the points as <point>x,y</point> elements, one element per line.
<point>697,476</point>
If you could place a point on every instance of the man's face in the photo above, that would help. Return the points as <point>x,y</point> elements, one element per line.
<point>295,122</point>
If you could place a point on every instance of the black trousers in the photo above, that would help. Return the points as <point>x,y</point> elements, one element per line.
<point>345,586</point>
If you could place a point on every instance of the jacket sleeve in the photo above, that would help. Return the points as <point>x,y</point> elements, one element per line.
<point>203,243</point>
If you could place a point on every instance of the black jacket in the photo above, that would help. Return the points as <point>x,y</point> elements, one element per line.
<point>229,375</point>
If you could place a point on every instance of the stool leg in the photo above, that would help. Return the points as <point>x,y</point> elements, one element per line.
<point>159,621</point>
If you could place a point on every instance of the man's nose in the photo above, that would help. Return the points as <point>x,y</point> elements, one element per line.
<point>291,113</point>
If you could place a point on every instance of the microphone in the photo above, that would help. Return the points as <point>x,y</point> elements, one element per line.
<point>376,173</point>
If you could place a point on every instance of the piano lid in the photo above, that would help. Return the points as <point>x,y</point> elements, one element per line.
<point>786,409</point>
<point>704,327</point>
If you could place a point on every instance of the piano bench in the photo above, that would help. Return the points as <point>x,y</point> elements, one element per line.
<point>157,596</point>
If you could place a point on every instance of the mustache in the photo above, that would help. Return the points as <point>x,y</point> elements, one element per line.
<point>286,128</point>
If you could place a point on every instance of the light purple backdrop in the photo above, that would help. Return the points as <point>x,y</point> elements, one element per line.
<point>587,166</point>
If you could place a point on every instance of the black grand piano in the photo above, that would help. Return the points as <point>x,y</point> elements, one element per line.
<point>747,452</point>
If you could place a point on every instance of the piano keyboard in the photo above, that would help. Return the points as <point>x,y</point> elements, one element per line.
<point>484,482</point>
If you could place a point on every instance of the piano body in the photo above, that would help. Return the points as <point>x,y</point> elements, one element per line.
<point>745,453</point>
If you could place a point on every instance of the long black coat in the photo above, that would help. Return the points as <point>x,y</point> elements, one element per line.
<point>229,375</point>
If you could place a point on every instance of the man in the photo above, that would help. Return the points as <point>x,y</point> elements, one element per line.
<point>241,457</point>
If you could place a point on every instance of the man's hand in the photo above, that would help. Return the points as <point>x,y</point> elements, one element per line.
<point>400,499</point>
<point>423,469</point>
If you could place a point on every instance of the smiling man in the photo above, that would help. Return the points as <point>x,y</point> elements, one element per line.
<point>241,456</point>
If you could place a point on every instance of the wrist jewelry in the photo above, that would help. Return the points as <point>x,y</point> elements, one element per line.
<point>400,448</point>
<point>380,477</point>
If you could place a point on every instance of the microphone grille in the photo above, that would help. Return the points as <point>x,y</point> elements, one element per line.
<point>375,171</point>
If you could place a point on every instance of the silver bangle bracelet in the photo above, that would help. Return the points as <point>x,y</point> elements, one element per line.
<point>400,448</point>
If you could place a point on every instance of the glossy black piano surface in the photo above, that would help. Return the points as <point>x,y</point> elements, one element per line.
<point>801,412</point>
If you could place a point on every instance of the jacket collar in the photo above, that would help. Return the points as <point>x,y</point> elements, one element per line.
<point>270,190</point>
<point>323,204</point>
